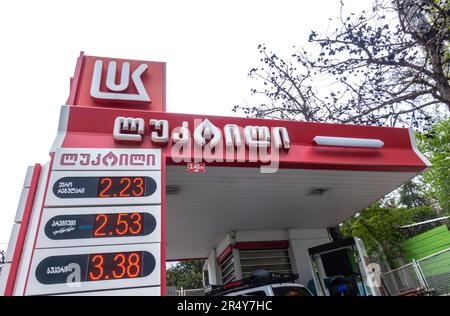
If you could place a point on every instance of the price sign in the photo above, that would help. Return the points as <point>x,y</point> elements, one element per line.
<point>102,187</point>
<point>100,228</point>
<point>86,226</point>
<point>95,267</point>
<point>100,225</point>
<point>82,269</point>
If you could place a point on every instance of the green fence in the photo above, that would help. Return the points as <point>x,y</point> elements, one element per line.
<point>428,255</point>
<point>427,243</point>
<point>436,270</point>
<point>429,273</point>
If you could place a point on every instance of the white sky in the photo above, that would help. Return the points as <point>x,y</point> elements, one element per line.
<point>209,47</point>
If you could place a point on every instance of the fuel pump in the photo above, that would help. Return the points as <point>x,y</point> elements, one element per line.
<point>342,268</point>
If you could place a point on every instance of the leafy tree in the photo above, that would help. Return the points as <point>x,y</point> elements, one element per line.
<point>389,66</point>
<point>413,194</point>
<point>435,144</point>
<point>186,274</point>
<point>378,228</point>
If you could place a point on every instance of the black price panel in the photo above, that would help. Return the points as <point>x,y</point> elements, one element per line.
<point>104,187</point>
<point>95,267</point>
<point>100,225</point>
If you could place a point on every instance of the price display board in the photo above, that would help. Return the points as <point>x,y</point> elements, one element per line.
<point>80,269</point>
<point>100,228</point>
<point>67,188</point>
<point>83,226</point>
<point>96,266</point>
<point>103,187</point>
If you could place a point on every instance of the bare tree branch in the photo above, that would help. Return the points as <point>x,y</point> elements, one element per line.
<point>370,70</point>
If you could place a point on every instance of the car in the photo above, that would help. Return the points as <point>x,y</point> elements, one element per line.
<point>261,283</point>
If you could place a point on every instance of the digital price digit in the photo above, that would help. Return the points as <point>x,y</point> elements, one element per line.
<point>121,224</point>
<point>121,187</point>
<point>122,265</point>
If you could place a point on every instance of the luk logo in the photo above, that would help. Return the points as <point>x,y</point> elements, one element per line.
<point>118,91</point>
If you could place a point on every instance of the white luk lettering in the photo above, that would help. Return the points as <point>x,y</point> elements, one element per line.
<point>117,91</point>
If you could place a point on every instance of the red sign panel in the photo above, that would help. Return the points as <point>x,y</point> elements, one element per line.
<point>397,153</point>
<point>118,83</point>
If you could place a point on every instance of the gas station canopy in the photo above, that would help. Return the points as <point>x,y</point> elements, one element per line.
<point>315,186</point>
<point>129,186</point>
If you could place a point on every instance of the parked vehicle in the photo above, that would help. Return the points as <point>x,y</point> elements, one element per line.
<point>261,283</point>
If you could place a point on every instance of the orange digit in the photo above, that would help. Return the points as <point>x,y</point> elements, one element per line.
<point>97,232</point>
<point>127,186</point>
<point>108,185</point>
<point>99,265</point>
<point>137,219</point>
<point>133,263</point>
<point>120,264</point>
<point>139,183</point>
<point>122,222</point>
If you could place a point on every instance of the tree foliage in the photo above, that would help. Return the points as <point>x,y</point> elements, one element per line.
<point>387,66</point>
<point>186,274</point>
<point>378,228</point>
<point>435,144</point>
<point>414,193</point>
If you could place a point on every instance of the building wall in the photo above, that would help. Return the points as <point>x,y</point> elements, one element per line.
<point>213,271</point>
<point>226,241</point>
<point>300,240</point>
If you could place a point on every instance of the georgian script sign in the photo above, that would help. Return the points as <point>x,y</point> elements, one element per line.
<point>132,130</point>
<point>107,159</point>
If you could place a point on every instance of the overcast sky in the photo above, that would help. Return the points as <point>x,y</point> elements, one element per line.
<point>209,47</point>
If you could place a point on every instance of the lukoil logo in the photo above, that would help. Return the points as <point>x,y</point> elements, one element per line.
<point>118,91</point>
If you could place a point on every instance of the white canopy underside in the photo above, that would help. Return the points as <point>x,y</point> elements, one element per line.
<point>209,205</point>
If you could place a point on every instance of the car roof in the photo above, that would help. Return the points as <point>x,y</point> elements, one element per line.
<point>287,284</point>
